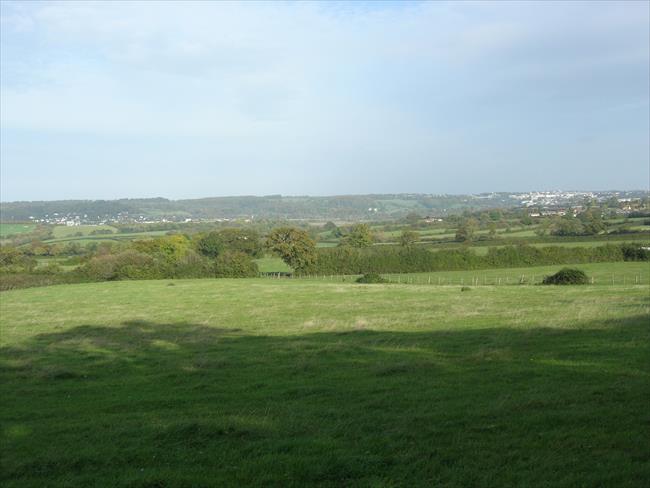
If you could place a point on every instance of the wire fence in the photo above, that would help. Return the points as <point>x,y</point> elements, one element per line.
<point>467,280</point>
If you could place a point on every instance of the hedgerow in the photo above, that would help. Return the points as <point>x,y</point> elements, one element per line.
<point>394,259</point>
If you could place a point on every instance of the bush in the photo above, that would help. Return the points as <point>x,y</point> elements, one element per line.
<point>371,278</point>
<point>465,288</point>
<point>635,252</point>
<point>235,264</point>
<point>125,265</point>
<point>567,276</point>
<point>191,265</point>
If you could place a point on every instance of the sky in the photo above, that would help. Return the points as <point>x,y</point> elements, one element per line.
<point>103,100</point>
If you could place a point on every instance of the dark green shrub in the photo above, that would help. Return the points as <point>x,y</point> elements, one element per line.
<point>567,276</point>
<point>465,288</point>
<point>371,278</point>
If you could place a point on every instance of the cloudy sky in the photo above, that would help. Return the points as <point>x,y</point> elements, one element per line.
<point>182,100</point>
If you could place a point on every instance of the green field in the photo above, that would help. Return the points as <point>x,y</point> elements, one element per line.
<point>86,237</point>
<point>62,231</point>
<point>600,273</point>
<point>272,264</point>
<point>12,229</point>
<point>301,383</point>
<point>483,250</point>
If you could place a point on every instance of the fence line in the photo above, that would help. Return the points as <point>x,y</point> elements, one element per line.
<point>476,280</point>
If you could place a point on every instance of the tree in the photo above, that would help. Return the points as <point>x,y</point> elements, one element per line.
<point>241,240</point>
<point>408,238</point>
<point>592,221</point>
<point>567,226</point>
<point>359,236</point>
<point>168,248</point>
<point>333,229</point>
<point>210,244</point>
<point>294,246</point>
<point>465,232</point>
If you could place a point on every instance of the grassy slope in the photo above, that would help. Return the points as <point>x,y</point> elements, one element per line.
<point>290,383</point>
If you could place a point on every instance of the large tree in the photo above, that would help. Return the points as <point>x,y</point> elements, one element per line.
<point>360,236</point>
<point>294,246</point>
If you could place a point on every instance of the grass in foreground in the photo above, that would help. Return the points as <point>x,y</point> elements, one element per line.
<point>290,383</point>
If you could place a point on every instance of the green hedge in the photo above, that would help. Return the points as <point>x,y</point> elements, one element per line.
<point>393,259</point>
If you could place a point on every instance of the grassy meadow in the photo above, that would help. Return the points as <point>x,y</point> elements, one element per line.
<point>302,383</point>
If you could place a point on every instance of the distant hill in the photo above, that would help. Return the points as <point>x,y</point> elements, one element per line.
<point>272,206</point>
<point>357,207</point>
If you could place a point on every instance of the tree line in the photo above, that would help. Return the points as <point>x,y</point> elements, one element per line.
<point>231,253</point>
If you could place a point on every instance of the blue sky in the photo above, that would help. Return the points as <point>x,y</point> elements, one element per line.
<point>183,100</point>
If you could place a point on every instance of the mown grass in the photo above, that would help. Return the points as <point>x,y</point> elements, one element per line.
<point>292,383</point>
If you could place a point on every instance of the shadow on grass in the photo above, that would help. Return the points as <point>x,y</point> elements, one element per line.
<point>148,404</point>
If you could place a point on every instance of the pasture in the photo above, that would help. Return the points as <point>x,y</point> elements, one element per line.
<point>13,229</point>
<point>302,383</point>
<point>63,231</point>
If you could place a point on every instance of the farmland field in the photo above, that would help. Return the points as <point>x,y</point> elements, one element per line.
<point>60,231</point>
<point>86,237</point>
<point>294,383</point>
<point>483,250</point>
<point>12,229</point>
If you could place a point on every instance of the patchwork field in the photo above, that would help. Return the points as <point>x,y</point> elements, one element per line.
<point>302,383</point>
